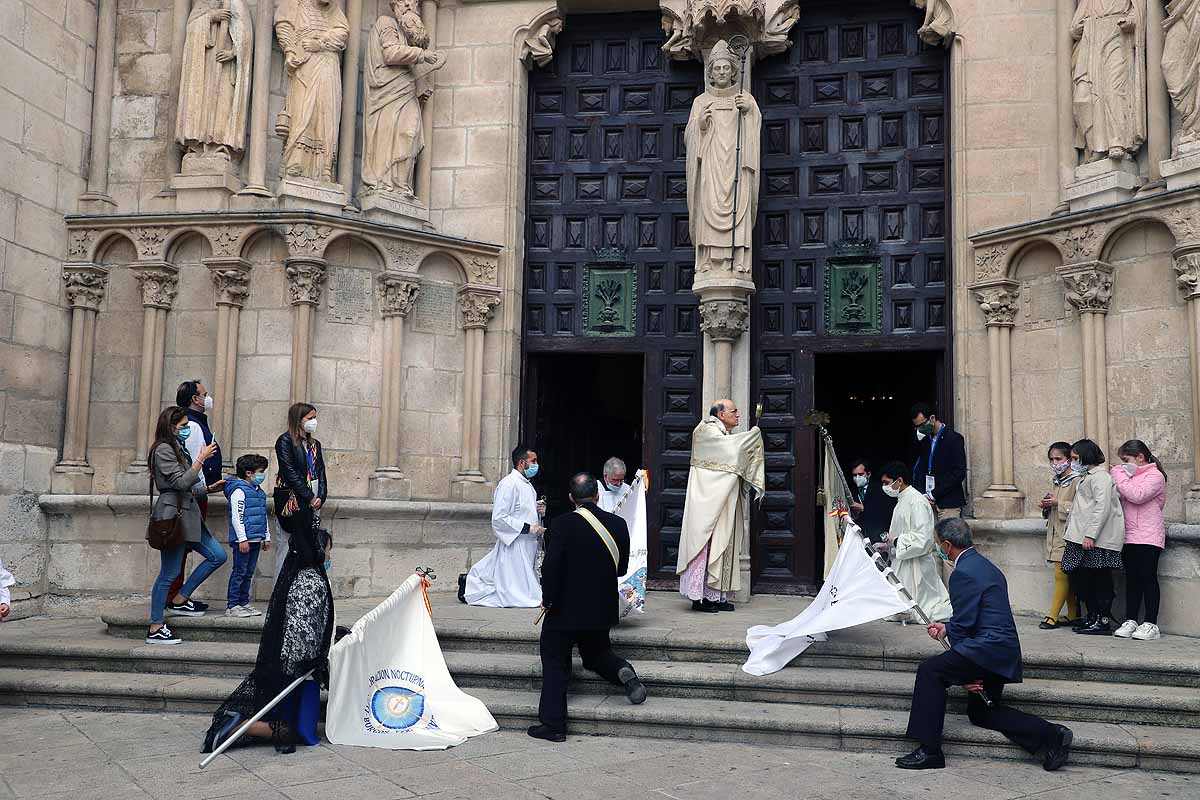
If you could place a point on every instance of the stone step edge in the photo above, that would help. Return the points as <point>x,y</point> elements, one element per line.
<point>469,667</point>
<point>1161,670</point>
<point>853,729</point>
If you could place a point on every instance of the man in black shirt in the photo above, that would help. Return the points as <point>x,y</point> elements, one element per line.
<point>870,508</point>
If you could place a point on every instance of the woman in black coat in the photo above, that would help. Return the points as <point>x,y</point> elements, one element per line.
<point>300,486</point>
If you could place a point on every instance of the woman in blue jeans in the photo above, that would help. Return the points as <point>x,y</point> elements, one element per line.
<point>176,479</point>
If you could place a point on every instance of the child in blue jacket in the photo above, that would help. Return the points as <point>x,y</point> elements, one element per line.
<point>249,530</point>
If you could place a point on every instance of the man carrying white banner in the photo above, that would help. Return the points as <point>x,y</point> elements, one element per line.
<point>629,503</point>
<point>389,686</point>
<point>854,592</point>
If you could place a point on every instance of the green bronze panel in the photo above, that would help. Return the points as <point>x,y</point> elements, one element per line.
<point>609,300</point>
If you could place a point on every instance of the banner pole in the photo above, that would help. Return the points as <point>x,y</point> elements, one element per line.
<point>246,725</point>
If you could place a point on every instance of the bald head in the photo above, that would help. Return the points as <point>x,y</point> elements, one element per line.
<point>727,412</point>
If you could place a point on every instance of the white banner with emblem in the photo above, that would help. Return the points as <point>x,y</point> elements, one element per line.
<point>855,592</point>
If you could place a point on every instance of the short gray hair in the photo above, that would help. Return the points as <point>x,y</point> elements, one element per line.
<point>956,531</point>
<point>614,464</point>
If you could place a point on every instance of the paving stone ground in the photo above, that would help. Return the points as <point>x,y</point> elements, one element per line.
<point>86,755</point>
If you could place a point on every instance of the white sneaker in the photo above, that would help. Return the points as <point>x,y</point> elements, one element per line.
<point>254,612</point>
<point>237,611</point>
<point>1126,630</point>
<point>1147,632</point>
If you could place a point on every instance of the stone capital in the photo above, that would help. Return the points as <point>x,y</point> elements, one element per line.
<point>1187,270</point>
<point>231,279</point>
<point>160,282</point>
<point>990,262</point>
<point>305,277</point>
<point>1079,244</point>
<point>1089,286</point>
<point>482,269</point>
<point>999,301</point>
<point>79,243</point>
<point>85,284</point>
<point>476,304</point>
<point>227,240</point>
<point>150,241</point>
<point>397,293</point>
<point>305,240</point>
<point>725,320</point>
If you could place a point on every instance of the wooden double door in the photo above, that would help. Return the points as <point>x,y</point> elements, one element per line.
<point>853,149</point>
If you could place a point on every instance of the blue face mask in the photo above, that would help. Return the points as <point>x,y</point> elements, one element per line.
<point>941,555</point>
<point>258,478</point>
<point>531,471</point>
<point>184,433</point>
<point>329,565</point>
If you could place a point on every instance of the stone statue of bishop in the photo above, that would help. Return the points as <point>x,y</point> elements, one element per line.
<point>214,84</point>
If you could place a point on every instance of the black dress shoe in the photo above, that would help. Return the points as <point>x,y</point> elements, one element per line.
<point>1098,627</point>
<point>921,759</point>
<point>635,690</point>
<point>547,733</point>
<point>217,736</point>
<point>462,587</point>
<point>1059,749</point>
<point>1082,622</point>
<point>725,606</point>
<point>706,606</point>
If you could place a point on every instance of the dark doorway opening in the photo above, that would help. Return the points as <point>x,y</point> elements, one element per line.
<point>580,410</point>
<point>868,397</point>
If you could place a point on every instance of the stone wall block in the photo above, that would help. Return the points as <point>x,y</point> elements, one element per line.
<point>390,568</point>
<point>134,117</point>
<point>114,379</point>
<point>322,380</point>
<point>357,384</point>
<point>263,378</point>
<point>274,336</point>
<point>30,79</point>
<point>351,468</point>
<point>481,105</point>
<point>336,340</point>
<point>30,178</point>
<point>41,324</point>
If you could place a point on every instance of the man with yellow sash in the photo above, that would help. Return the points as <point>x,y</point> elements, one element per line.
<point>586,551</point>
<point>728,470</point>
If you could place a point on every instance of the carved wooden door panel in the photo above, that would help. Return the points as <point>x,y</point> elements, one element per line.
<point>853,149</point>
<point>607,200</point>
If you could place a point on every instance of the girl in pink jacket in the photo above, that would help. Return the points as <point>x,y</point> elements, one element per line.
<point>1142,484</point>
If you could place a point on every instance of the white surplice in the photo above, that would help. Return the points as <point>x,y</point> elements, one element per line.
<point>609,496</point>
<point>505,577</point>
<point>914,557</point>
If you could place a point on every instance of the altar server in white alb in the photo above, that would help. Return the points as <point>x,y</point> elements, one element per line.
<point>506,577</point>
<point>614,488</point>
<point>910,539</point>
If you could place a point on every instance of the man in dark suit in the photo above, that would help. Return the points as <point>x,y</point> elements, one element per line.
<point>870,508</point>
<point>941,465</point>
<point>985,654</point>
<point>586,551</point>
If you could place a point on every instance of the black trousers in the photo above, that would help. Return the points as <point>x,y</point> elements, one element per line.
<point>1141,580</point>
<point>596,651</point>
<point>1095,588</point>
<point>928,714</point>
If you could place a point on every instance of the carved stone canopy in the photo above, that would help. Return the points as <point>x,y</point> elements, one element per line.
<point>160,283</point>
<point>305,277</point>
<point>725,320</point>
<point>397,292</point>
<point>85,284</point>
<point>476,304</point>
<point>1089,286</point>
<point>999,301</point>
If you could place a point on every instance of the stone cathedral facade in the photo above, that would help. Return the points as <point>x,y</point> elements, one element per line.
<point>456,224</point>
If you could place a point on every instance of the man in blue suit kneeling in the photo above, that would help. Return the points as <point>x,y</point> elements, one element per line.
<point>985,654</point>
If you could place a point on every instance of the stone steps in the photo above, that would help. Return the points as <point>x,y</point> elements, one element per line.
<point>822,686</point>
<point>851,729</point>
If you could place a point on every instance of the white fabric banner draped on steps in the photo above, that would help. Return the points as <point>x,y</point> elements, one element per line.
<point>854,592</point>
<point>389,686</point>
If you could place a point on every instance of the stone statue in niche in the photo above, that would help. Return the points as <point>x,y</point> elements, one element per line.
<point>312,34</point>
<point>1109,78</point>
<point>721,220</point>
<point>214,84</point>
<point>398,79</point>
<point>1181,65</point>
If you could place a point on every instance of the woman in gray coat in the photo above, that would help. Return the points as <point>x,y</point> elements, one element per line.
<point>176,481</point>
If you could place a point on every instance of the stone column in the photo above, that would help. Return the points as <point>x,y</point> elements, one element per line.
<point>96,200</point>
<point>350,62</point>
<point>231,279</point>
<point>999,301</point>
<point>85,284</point>
<point>723,321</point>
<point>1187,271</point>
<point>1158,101</point>
<point>476,304</point>
<point>260,98</point>
<point>179,17</point>
<point>1089,289</point>
<point>397,294</point>
<point>424,174</point>
<point>160,282</point>
<point>1067,157</point>
<point>306,275</point>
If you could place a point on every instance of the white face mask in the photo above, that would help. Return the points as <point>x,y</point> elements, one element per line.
<point>208,402</point>
<point>861,481</point>
<point>310,426</point>
<point>920,436</point>
<point>890,490</point>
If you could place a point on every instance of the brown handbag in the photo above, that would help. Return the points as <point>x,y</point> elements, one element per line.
<point>164,534</point>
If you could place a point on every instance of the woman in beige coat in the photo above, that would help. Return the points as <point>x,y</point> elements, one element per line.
<point>176,481</point>
<point>1094,538</point>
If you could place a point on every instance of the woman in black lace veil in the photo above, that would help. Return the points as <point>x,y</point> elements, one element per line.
<point>296,636</point>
